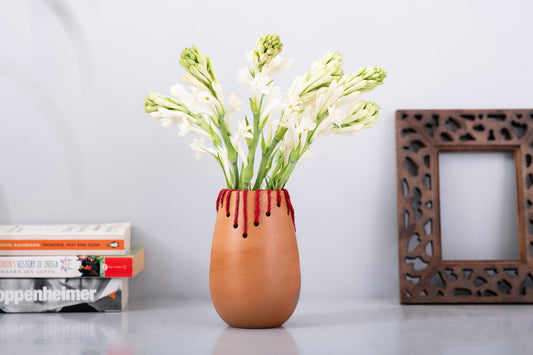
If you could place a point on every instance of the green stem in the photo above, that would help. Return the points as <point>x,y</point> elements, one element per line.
<point>278,165</point>
<point>286,173</point>
<point>232,153</point>
<point>281,177</point>
<point>228,183</point>
<point>266,158</point>
<point>215,138</point>
<point>248,171</point>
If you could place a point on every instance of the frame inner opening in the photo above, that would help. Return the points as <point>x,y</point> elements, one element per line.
<point>478,206</point>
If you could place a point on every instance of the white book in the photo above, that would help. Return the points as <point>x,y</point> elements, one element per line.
<point>65,239</point>
<point>62,295</point>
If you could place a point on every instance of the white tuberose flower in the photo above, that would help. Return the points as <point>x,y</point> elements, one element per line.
<point>205,103</point>
<point>308,154</point>
<point>257,86</point>
<point>186,127</point>
<point>293,96</point>
<point>306,125</point>
<point>169,118</point>
<point>252,59</point>
<point>329,97</point>
<point>272,104</point>
<point>242,131</point>
<point>222,154</point>
<point>234,105</point>
<point>192,81</point>
<point>325,128</point>
<point>199,101</point>
<point>200,148</point>
<point>349,99</point>
<point>156,115</point>
<point>350,130</point>
<point>292,137</point>
<point>179,92</point>
<point>278,64</point>
<point>218,90</point>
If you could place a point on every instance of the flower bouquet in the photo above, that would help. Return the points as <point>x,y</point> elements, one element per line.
<point>255,281</point>
<point>284,126</point>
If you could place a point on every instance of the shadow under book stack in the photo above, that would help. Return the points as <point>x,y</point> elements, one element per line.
<point>67,268</point>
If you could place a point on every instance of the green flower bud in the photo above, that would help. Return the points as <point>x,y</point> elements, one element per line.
<point>333,64</point>
<point>270,45</point>
<point>190,57</point>
<point>374,76</point>
<point>363,80</point>
<point>149,105</point>
<point>361,115</point>
<point>198,65</point>
<point>323,72</point>
<point>362,112</point>
<point>154,101</point>
<point>266,49</point>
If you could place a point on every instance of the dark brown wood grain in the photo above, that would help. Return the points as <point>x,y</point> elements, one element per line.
<point>420,136</point>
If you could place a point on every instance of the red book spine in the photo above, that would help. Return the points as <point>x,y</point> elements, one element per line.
<point>118,267</point>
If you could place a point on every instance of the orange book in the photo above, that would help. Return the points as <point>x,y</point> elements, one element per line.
<point>65,239</point>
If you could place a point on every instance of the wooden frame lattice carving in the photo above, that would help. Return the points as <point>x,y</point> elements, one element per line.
<point>424,276</point>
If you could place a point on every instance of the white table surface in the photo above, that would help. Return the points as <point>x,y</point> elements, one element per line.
<point>319,326</point>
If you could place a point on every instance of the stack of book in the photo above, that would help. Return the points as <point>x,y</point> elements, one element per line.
<point>66,268</point>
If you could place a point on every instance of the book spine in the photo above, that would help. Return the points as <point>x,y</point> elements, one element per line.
<point>62,295</point>
<point>73,252</point>
<point>66,266</point>
<point>59,244</point>
<point>65,231</point>
<point>116,267</point>
<point>107,239</point>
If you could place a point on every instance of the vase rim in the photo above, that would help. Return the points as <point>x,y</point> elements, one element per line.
<point>254,190</point>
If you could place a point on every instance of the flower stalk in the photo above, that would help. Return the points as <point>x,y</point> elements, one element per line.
<point>268,156</point>
<point>248,170</point>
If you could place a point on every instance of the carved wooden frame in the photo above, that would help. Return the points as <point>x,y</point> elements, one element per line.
<point>424,276</point>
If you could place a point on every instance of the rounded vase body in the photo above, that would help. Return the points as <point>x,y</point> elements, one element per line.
<point>254,276</point>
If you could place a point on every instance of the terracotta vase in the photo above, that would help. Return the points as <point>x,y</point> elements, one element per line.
<point>254,277</point>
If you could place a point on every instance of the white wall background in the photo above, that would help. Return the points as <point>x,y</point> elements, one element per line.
<point>76,145</point>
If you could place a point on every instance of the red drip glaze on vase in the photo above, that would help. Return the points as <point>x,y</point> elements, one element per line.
<point>236,217</point>
<point>257,207</point>
<point>269,202</point>
<point>222,198</point>
<point>227,202</point>
<point>225,194</point>
<point>290,210</point>
<point>244,212</point>
<point>219,197</point>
